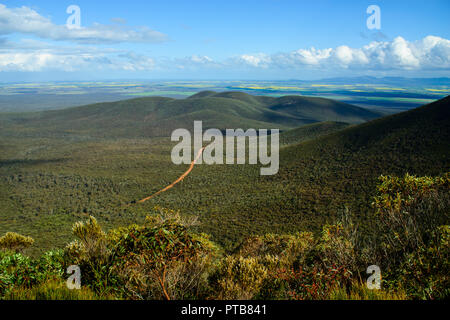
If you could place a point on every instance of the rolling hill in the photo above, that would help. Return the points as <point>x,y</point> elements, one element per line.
<point>322,176</point>
<point>319,175</point>
<point>46,184</point>
<point>157,116</point>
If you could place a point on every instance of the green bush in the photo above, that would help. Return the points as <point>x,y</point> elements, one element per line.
<point>425,274</point>
<point>92,254</point>
<point>17,270</point>
<point>311,283</point>
<point>161,259</point>
<point>15,242</point>
<point>410,209</point>
<point>239,278</point>
<point>278,250</point>
<point>154,262</point>
<point>164,259</point>
<point>413,213</point>
<point>53,263</point>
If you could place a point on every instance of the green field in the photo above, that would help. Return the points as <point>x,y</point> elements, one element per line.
<point>382,94</point>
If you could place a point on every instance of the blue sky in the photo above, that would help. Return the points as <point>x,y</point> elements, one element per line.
<point>246,39</point>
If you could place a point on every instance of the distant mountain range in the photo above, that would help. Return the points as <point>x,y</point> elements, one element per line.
<point>344,80</point>
<point>397,81</point>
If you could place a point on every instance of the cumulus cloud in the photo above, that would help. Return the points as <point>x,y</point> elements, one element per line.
<point>49,60</point>
<point>27,21</point>
<point>428,54</point>
<point>304,56</point>
<point>34,56</point>
<point>255,60</point>
<point>63,49</point>
<point>399,54</point>
<point>40,61</point>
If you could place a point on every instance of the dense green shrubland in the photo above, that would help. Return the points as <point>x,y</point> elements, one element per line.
<point>49,183</point>
<point>164,258</point>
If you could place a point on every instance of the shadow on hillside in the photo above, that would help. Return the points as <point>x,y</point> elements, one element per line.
<point>28,162</point>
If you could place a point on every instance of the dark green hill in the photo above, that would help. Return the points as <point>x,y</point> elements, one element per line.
<point>319,177</point>
<point>321,109</point>
<point>245,97</point>
<point>202,94</point>
<point>310,132</point>
<point>422,132</point>
<point>157,116</point>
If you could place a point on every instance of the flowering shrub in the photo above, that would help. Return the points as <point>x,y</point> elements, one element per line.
<point>239,278</point>
<point>164,259</point>
<point>410,209</point>
<point>15,242</point>
<point>414,215</point>
<point>312,283</point>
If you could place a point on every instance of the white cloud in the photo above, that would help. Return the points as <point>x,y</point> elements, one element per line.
<point>402,55</point>
<point>41,61</point>
<point>255,60</point>
<point>27,21</point>
<point>311,56</point>
<point>433,52</point>
<point>34,56</point>
<point>201,59</point>
<point>134,62</point>
<point>49,53</point>
<point>194,62</point>
<point>429,53</point>
<point>344,55</point>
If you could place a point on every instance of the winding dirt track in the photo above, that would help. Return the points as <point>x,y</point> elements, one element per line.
<point>184,175</point>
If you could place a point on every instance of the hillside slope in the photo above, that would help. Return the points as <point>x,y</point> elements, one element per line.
<point>321,109</point>
<point>157,116</point>
<point>48,184</point>
<point>310,132</point>
<point>321,177</point>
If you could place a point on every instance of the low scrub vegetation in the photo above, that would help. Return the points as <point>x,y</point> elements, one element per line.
<point>165,258</point>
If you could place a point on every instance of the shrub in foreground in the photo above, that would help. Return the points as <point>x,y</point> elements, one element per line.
<point>15,242</point>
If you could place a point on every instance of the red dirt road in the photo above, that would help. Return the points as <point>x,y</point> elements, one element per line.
<point>184,175</point>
